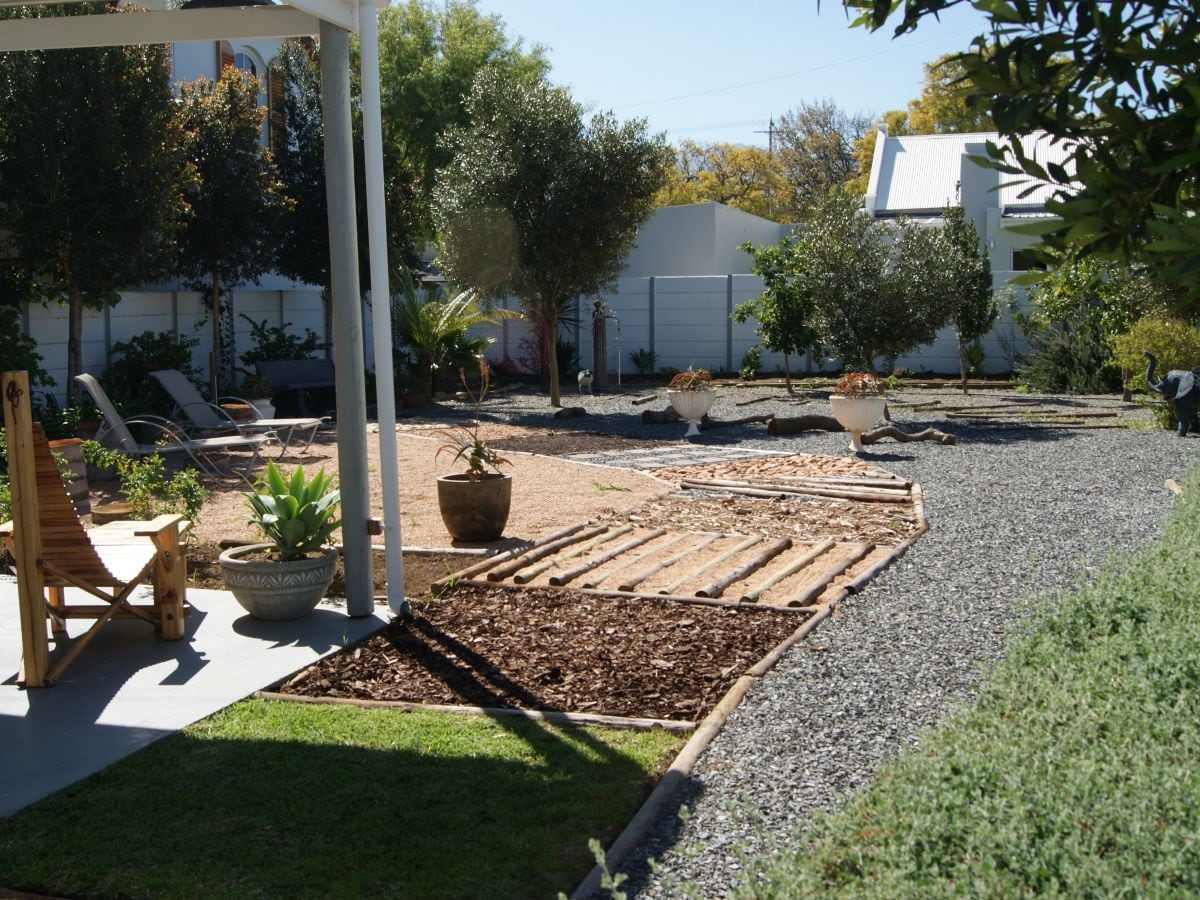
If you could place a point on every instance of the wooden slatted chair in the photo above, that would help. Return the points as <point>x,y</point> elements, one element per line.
<point>53,551</point>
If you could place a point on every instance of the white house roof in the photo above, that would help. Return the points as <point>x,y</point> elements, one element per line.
<point>914,174</point>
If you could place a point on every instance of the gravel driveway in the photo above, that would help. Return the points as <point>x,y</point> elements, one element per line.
<point>1016,515</point>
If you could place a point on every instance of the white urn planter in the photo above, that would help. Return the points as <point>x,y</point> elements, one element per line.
<point>265,408</point>
<point>856,415</point>
<point>276,589</point>
<point>692,406</point>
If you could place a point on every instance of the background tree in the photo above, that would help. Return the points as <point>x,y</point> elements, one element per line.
<point>429,57</point>
<point>784,310</point>
<point>866,282</point>
<point>91,170</point>
<point>946,104</point>
<point>746,178</point>
<point>962,280</point>
<point>302,248</point>
<point>816,152</point>
<point>540,205</point>
<point>1117,85</point>
<point>236,202</point>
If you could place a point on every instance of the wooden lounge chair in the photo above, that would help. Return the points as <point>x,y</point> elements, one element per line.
<point>54,552</point>
<point>210,417</point>
<point>171,437</point>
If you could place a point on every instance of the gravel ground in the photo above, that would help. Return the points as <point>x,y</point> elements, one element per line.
<point>1016,515</point>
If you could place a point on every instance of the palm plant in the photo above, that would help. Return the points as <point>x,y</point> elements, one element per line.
<point>436,331</point>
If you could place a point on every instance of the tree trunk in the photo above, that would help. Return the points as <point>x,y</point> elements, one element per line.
<point>787,374</point>
<point>74,340</point>
<point>551,338</point>
<point>962,364</point>
<point>214,360</point>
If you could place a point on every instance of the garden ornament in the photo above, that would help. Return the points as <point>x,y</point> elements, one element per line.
<point>585,380</point>
<point>1182,389</point>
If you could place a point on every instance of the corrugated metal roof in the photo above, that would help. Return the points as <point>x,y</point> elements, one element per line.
<point>921,173</point>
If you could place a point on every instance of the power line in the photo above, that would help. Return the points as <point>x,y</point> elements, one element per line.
<point>841,62</point>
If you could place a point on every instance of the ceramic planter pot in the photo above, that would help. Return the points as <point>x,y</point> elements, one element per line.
<point>265,408</point>
<point>692,406</point>
<point>271,589</point>
<point>856,415</point>
<point>475,511</point>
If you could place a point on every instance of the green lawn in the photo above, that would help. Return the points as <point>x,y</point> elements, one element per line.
<point>1076,773</point>
<point>271,799</point>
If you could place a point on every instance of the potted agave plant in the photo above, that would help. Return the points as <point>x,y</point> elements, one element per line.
<point>474,504</point>
<point>285,577</point>
<point>857,403</point>
<point>692,396</point>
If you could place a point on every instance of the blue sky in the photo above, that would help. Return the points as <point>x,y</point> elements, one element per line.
<point>718,71</point>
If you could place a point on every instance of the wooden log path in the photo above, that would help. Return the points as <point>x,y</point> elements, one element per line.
<point>527,574</point>
<point>775,490</point>
<point>630,583</point>
<point>561,578</point>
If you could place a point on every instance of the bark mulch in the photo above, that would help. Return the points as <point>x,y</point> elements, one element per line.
<point>554,650</point>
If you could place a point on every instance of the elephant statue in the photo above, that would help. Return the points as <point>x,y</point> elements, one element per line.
<point>1181,387</point>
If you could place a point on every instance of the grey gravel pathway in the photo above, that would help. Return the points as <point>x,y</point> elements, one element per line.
<point>1016,515</point>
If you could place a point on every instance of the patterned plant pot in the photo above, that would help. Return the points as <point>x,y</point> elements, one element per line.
<point>692,406</point>
<point>856,415</point>
<point>271,589</point>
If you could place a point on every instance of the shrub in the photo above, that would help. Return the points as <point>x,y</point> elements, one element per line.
<point>127,379</point>
<point>1176,344</point>
<point>18,351</point>
<point>643,361</point>
<point>273,343</point>
<point>751,363</point>
<point>1069,358</point>
<point>145,484</point>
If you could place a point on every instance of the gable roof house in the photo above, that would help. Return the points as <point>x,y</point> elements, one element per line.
<point>917,176</point>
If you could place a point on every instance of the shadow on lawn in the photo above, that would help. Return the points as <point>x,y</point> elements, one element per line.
<point>439,813</point>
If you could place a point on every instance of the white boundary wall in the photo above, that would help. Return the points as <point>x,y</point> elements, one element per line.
<point>683,320</point>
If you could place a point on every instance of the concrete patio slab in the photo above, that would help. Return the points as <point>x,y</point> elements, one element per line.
<point>130,688</point>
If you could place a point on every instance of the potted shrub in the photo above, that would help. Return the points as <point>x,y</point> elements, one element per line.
<point>257,391</point>
<point>857,404</point>
<point>692,396</point>
<point>474,504</point>
<point>288,575</point>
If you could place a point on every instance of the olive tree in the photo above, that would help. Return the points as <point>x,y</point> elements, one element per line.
<point>784,310</point>
<point>539,204</point>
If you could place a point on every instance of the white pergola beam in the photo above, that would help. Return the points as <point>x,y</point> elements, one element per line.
<point>73,32</point>
<point>343,13</point>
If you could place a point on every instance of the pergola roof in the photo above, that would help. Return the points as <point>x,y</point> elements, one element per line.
<point>290,18</point>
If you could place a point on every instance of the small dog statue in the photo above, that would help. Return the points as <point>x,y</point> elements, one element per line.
<point>585,380</point>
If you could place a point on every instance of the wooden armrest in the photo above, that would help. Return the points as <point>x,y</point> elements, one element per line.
<point>162,523</point>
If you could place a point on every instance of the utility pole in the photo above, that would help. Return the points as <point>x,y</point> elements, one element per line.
<point>770,133</point>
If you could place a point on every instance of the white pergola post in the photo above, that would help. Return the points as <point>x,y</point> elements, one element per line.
<point>381,320</point>
<point>347,319</point>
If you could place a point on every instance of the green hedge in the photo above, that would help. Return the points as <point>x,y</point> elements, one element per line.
<point>1076,772</point>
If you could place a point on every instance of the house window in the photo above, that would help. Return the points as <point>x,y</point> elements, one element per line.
<point>1026,260</point>
<point>245,63</point>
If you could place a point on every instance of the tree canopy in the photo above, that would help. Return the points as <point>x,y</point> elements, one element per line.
<point>784,310</point>
<point>746,178</point>
<point>1117,84</point>
<point>539,204</point>
<point>816,152</point>
<point>236,202</point>
<point>91,169</point>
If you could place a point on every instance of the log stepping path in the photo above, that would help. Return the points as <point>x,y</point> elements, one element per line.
<point>671,455</point>
<point>621,558</point>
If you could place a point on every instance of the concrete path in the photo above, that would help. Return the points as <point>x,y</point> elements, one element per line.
<point>129,688</point>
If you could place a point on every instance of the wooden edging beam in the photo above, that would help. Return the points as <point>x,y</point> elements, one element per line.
<point>635,595</point>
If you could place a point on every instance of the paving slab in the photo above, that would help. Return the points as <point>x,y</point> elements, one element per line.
<point>130,687</point>
<point>672,455</point>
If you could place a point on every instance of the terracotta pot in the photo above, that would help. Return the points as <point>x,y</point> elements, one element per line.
<point>475,511</point>
<point>856,415</point>
<point>274,589</point>
<point>103,513</point>
<point>692,406</point>
<point>239,412</point>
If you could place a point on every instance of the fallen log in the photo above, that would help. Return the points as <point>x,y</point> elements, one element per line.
<point>561,578</point>
<point>716,588</point>
<point>527,574</point>
<point>569,412</point>
<point>442,583</point>
<point>775,491</point>
<point>745,491</point>
<point>753,400</point>
<point>631,583</point>
<point>814,422</point>
<point>638,401</point>
<point>668,416</point>
<point>814,590</point>
<point>533,554</point>
<point>790,569</point>
<point>741,547</point>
